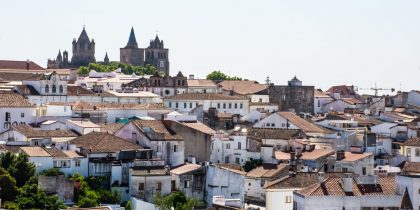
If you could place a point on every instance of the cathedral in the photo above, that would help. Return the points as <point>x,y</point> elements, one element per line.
<point>155,54</point>
<point>83,54</point>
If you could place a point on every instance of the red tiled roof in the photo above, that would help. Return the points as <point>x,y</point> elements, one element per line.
<point>19,65</point>
<point>242,87</point>
<point>200,83</point>
<point>204,96</point>
<point>185,168</point>
<point>12,99</point>
<point>158,128</point>
<point>302,124</point>
<point>268,171</point>
<point>99,142</point>
<point>333,186</point>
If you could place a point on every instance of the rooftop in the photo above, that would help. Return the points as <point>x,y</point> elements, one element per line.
<point>204,96</point>
<point>84,124</point>
<point>306,155</point>
<point>414,142</point>
<point>351,157</point>
<point>99,142</point>
<point>268,171</point>
<point>185,168</point>
<point>242,87</point>
<point>199,126</point>
<point>200,83</point>
<point>273,133</point>
<point>12,99</point>
<point>19,65</point>
<point>158,127</point>
<point>29,132</point>
<point>306,126</point>
<point>35,152</point>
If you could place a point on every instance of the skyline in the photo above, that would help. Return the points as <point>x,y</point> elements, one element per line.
<point>323,43</point>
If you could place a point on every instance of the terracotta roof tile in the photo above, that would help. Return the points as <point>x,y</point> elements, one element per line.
<point>29,132</point>
<point>200,127</point>
<point>19,65</point>
<point>306,126</point>
<point>268,171</point>
<point>159,129</point>
<point>273,133</point>
<point>99,142</point>
<point>12,99</point>
<point>242,87</point>
<point>35,152</point>
<point>351,157</point>
<point>411,168</point>
<point>312,155</point>
<point>412,142</point>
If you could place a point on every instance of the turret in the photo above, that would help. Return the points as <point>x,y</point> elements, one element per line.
<point>106,59</point>
<point>132,42</point>
<point>59,57</point>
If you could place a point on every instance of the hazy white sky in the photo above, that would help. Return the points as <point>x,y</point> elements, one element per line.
<point>323,43</point>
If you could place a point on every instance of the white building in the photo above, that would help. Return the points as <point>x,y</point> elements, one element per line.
<point>82,127</point>
<point>104,81</point>
<point>339,105</point>
<point>224,180</point>
<point>190,179</point>
<point>14,110</point>
<point>320,99</point>
<point>223,103</point>
<point>414,98</point>
<point>201,86</point>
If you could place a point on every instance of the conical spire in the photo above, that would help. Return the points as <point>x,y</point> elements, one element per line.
<point>59,57</point>
<point>83,36</point>
<point>132,42</point>
<point>406,203</point>
<point>106,59</point>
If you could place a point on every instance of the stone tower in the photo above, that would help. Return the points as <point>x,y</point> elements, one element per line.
<point>59,58</point>
<point>157,55</point>
<point>83,50</point>
<point>131,53</point>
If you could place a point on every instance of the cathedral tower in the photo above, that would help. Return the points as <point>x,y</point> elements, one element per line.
<point>83,50</point>
<point>157,55</point>
<point>131,53</point>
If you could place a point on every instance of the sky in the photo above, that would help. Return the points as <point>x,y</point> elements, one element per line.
<point>323,42</point>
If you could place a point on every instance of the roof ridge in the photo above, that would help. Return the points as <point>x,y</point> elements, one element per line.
<point>319,185</point>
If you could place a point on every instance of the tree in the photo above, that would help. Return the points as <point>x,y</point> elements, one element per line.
<point>22,170</point>
<point>218,76</point>
<point>52,172</point>
<point>6,159</point>
<point>8,189</point>
<point>30,197</point>
<point>128,206</point>
<point>177,200</point>
<point>251,164</point>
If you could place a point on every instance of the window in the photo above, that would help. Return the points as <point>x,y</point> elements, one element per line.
<point>47,88</point>
<point>408,152</point>
<point>185,105</point>
<point>230,106</point>
<point>227,146</point>
<point>237,160</point>
<point>198,182</point>
<point>190,105</point>
<point>176,105</point>
<point>175,148</point>
<point>22,114</point>
<point>54,89</point>
<point>239,145</point>
<point>224,105</point>
<point>77,163</point>
<point>363,170</point>
<point>61,89</point>
<point>179,82</point>
<point>319,103</point>
<point>344,170</point>
<point>227,159</point>
<point>186,183</point>
<point>273,125</point>
<point>218,105</point>
<point>241,105</point>
<point>236,105</point>
<point>7,117</point>
<point>288,199</point>
<point>141,186</point>
<point>170,105</point>
<point>159,186</point>
<point>417,152</point>
<point>267,124</point>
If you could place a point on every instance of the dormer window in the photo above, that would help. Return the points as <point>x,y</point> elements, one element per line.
<point>47,88</point>
<point>61,89</point>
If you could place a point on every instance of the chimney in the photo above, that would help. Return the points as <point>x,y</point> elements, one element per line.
<point>27,64</point>
<point>191,76</point>
<point>348,183</point>
<point>321,177</point>
<point>340,155</point>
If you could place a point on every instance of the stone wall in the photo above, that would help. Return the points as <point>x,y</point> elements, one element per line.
<point>299,98</point>
<point>58,185</point>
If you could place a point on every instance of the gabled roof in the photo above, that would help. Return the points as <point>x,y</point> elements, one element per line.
<point>406,200</point>
<point>411,168</point>
<point>306,155</point>
<point>414,142</point>
<point>302,124</point>
<point>12,99</point>
<point>242,87</point>
<point>99,142</point>
<point>204,96</point>
<point>352,101</point>
<point>29,132</point>
<point>273,133</point>
<point>19,65</point>
<point>199,126</point>
<point>159,129</point>
<point>35,152</point>
<point>333,186</point>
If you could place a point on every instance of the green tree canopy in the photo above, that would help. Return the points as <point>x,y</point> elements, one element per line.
<point>176,199</point>
<point>251,164</point>
<point>30,197</point>
<point>218,75</point>
<point>8,189</point>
